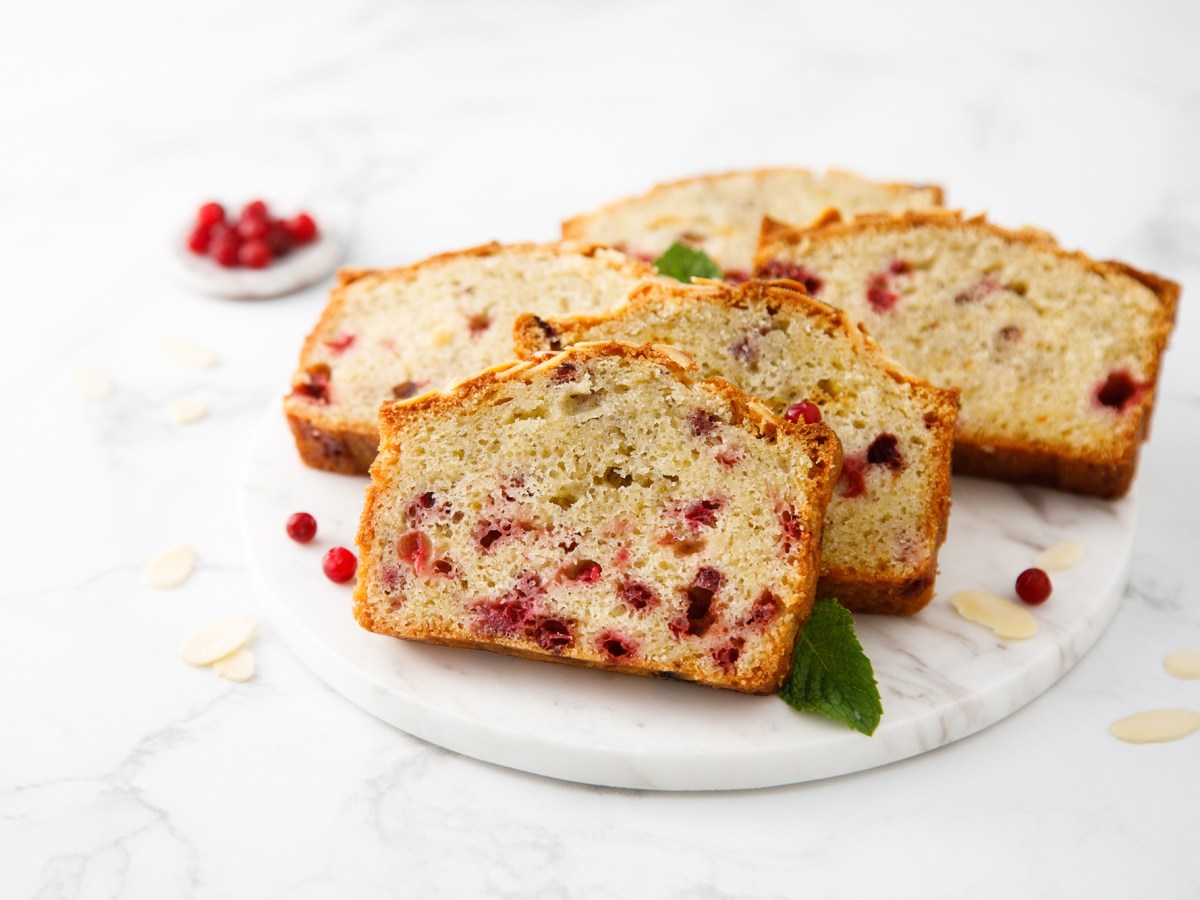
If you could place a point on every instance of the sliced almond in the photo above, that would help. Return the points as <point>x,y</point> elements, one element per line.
<point>1005,618</point>
<point>190,356</point>
<point>92,384</point>
<point>1061,556</point>
<point>1156,726</point>
<point>441,336</point>
<point>237,666</point>
<point>183,410</point>
<point>1183,663</point>
<point>219,639</point>
<point>677,356</point>
<point>170,568</point>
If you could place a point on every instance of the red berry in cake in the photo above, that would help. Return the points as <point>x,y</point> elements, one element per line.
<point>1118,390</point>
<point>209,215</point>
<point>340,343</point>
<point>809,412</point>
<point>852,482</point>
<point>552,634</point>
<point>224,248</point>
<point>414,548</point>
<point>199,239</point>
<point>301,228</point>
<point>1033,586</point>
<point>777,268</point>
<point>616,647</point>
<point>339,565</point>
<point>636,596</point>
<point>885,451</point>
<point>301,527</point>
<point>254,254</point>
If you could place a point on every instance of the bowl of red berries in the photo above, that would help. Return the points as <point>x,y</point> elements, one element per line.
<point>254,252</point>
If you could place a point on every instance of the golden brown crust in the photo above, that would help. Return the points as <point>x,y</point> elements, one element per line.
<point>816,440</point>
<point>575,226</point>
<point>1030,462</point>
<point>324,439</point>
<point>860,592</point>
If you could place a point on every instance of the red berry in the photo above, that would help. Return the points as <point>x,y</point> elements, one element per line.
<point>255,254</point>
<point>210,214</point>
<point>339,565</point>
<point>278,238</point>
<point>255,209</point>
<point>252,229</point>
<point>198,240</point>
<point>224,247</point>
<point>302,228</point>
<point>1033,586</point>
<point>810,412</point>
<point>301,527</point>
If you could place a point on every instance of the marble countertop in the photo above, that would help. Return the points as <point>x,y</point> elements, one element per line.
<point>420,127</point>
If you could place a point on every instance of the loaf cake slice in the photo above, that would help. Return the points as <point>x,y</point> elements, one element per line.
<point>393,333</point>
<point>887,518</point>
<point>600,508</point>
<point>1057,355</point>
<point>720,214</point>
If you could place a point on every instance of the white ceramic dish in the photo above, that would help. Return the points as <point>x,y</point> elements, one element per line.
<point>941,677</point>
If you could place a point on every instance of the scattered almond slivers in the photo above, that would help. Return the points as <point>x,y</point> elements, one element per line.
<point>1156,726</point>
<point>1061,556</point>
<point>1183,663</point>
<point>92,384</point>
<point>190,356</point>
<point>237,666</point>
<point>219,640</point>
<point>1005,618</point>
<point>183,410</point>
<point>170,568</point>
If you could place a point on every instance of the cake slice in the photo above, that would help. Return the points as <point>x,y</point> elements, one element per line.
<point>1057,355</point>
<point>887,518</point>
<point>600,508</point>
<point>720,214</point>
<point>393,333</point>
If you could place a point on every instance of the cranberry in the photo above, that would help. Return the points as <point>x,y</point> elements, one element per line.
<point>726,656</point>
<point>255,209</point>
<point>301,228</point>
<point>584,570</point>
<point>224,248</point>
<point>301,527</point>
<point>636,596</point>
<point>254,254</point>
<point>737,276</point>
<point>209,215</point>
<point>703,513</point>
<point>852,481</point>
<point>199,239</point>
<point>615,646</point>
<point>278,238</point>
<point>743,349</point>
<point>880,298</point>
<point>340,343</point>
<point>478,323</point>
<point>899,267</point>
<point>701,422</point>
<point>730,458</point>
<point>253,229</point>
<point>777,268</point>
<point>885,451</point>
<point>764,611</point>
<point>809,412</point>
<point>1117,390</point>
<point>316,385</point>
<point>415,548</point>
<point>565,373</point>
<point>339,565</point>
<point>1033,586</point>
<point>552,635</point>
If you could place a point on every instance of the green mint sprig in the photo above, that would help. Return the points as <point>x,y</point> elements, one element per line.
<point>831,674</point>
<point>682,263</point>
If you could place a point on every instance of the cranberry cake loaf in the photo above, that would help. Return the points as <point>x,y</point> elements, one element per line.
<point>600,507</point>
<point>721,214</point>
<point>1057,355</point>
<point>804,359</point>
<point>394,333</point>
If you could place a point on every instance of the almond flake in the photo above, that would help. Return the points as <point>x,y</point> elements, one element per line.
<point>1005,618</point>
<point>1156,726</point>
<point>1183,663</point>
<point>237,666</point>
<point>1061,556</point>
<point>218,640</point>
<point>190,356</point>
<point>92,384</point>
<point>170,568</point>
<point>183,410</point>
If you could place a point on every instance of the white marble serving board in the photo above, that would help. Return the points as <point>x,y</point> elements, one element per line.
<point>941,677</point>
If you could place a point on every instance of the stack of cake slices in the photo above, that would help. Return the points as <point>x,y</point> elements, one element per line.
<point>671,473</point>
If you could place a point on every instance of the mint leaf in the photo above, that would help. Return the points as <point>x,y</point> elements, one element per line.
<point>683,263</point>
<point>830,673</point>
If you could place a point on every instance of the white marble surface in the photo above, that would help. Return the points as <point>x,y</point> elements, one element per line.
<point>424,126</point>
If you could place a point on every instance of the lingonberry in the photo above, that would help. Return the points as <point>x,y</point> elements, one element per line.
<point>198,239</point>
<point>302,228</point>
<point>253,229</point>
<point>224,248</point>
<point>339,565</point>
<point>255,209</point>
<point>809,412</point>
<point>254,254</point>
<point>301,527</point>
<point>210,214</point>
<point>1033,586</point>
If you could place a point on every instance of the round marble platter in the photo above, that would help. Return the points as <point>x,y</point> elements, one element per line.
<point>941,678</point>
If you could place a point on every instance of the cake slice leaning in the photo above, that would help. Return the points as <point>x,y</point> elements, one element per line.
<point>584,509</point>
<point>721,214</point>
<point>393,333</point>
<point>887,519</point>
<point>1057,355</point>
